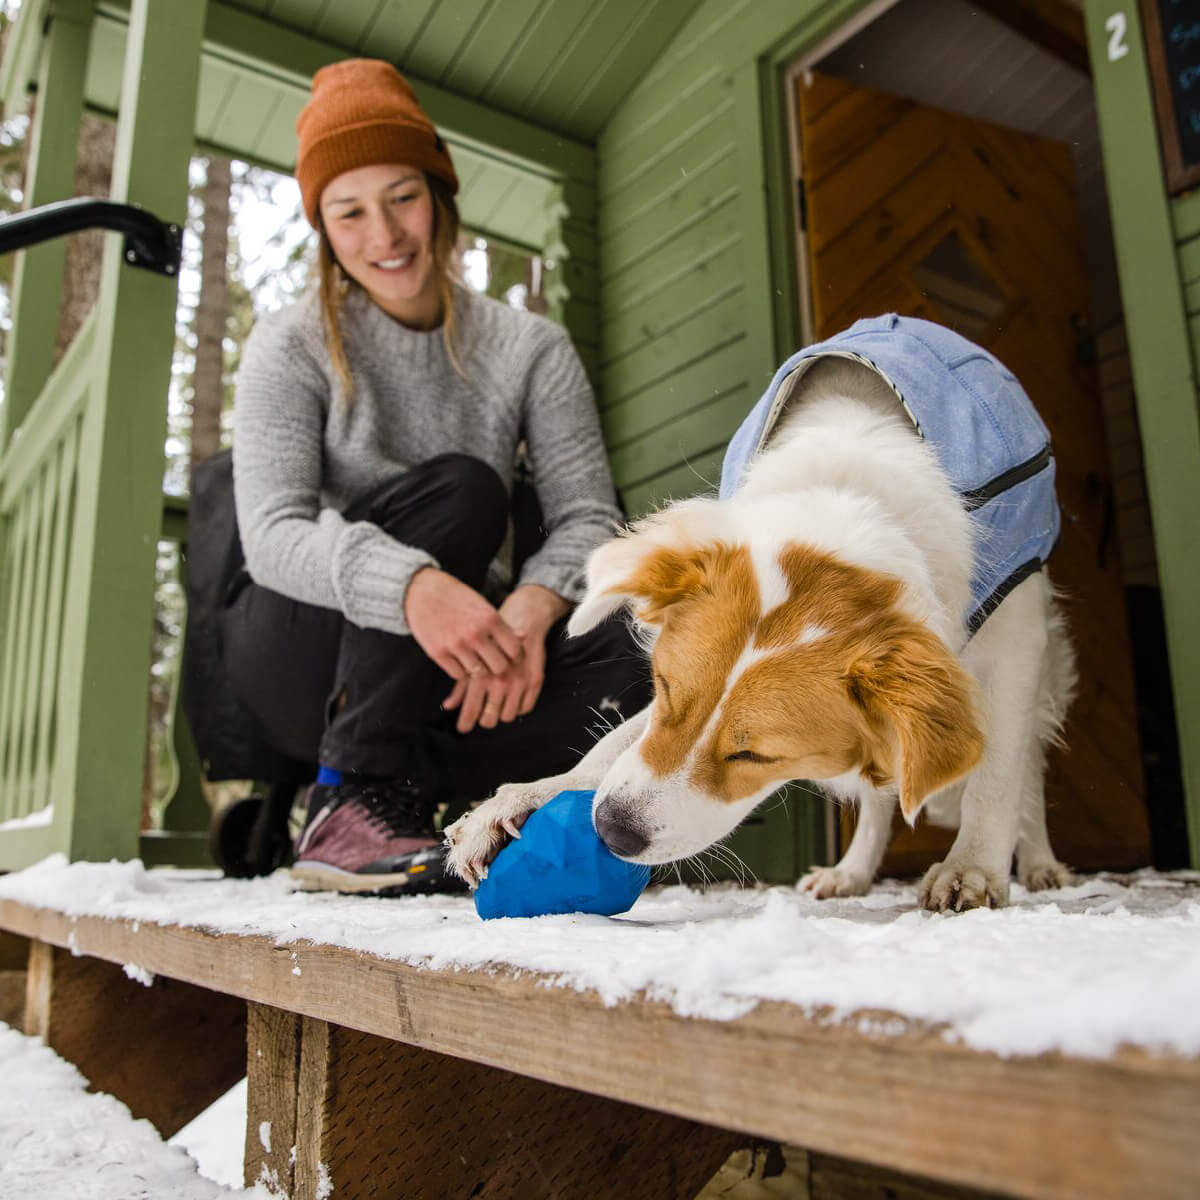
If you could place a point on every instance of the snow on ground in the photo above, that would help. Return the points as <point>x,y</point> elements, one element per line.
<point>216,1139</point>
<point>60,1142</point>
<point>1111,960</point>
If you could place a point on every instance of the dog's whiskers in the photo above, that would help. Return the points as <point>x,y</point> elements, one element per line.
<point>730,857</point>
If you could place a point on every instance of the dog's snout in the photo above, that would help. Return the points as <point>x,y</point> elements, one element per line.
<point>622,838</point>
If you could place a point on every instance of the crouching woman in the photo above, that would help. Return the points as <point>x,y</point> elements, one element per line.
<point>376,426</point>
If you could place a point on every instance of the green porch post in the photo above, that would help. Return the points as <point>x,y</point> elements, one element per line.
<point>1163,371</point>
<point>107,630</point>
<point>38,279</point>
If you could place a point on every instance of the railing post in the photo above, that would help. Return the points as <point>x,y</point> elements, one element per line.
<point>53,143</point>
<point>107,630</point>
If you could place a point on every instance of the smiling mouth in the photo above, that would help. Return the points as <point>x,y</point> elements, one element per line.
<point>395,264</point>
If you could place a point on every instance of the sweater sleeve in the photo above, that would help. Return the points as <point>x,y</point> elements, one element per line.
<point>292,544</point>
<point>569,462</point>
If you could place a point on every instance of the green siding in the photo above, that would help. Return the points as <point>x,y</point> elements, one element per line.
<point>696,279</point>
<point>696,285</point>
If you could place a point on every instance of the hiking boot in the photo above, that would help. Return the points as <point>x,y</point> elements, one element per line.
<point>371,838</point>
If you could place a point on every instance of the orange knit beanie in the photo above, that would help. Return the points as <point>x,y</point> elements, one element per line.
<point>363,112</point>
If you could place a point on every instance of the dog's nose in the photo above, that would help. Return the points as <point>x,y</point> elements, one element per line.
<point>621,838</point>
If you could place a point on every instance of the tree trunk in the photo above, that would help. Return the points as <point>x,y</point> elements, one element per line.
<point>209,380</point>
<point>93,177</point>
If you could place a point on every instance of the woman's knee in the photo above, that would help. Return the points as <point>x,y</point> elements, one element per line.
<point>457,487</point>
<point>473,480</point>
<point>454,506</point>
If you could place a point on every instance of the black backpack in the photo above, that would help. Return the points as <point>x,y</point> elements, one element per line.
<point>225,730</point>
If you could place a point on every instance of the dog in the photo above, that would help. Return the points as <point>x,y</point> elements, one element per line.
<point>866,607</point>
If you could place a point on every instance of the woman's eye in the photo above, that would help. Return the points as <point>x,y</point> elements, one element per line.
<point>748,756</point>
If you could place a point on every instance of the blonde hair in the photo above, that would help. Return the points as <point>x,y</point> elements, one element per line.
<point>335,285</point>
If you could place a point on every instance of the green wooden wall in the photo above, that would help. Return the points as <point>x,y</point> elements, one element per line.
<point>695,284</point>
<point>694,270</point>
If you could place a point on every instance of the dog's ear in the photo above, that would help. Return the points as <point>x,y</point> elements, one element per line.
<point>649,567</point>
<point>913,687</point>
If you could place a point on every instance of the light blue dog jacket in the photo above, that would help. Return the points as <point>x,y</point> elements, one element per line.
<point>970,408</point>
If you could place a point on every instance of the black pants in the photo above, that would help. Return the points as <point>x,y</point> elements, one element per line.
<point>369,702</point>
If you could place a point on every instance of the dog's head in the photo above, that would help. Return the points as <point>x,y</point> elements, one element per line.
<point>772,662</point>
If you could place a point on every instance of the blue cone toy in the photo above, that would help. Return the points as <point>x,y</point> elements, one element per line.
<point>559,865</point>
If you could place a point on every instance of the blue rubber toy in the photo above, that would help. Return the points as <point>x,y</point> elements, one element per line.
<point>559,865</point>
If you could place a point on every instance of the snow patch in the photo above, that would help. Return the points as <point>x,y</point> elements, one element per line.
<point>324,1183</point>
<point>1112,960</point>
<point>34,820</point>
<point>138,974</point>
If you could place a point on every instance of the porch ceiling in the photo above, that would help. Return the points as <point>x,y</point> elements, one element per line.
<point>520,88</point>
<point>564,65</point>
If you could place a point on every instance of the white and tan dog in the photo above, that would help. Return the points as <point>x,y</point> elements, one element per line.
<point>815,626</point>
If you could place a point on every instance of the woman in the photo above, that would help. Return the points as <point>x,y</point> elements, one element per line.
<point>376,425</point>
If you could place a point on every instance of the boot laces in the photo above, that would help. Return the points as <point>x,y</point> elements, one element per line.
<point>401,809</point>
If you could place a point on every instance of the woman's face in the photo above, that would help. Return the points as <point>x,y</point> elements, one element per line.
<point>379,221</point>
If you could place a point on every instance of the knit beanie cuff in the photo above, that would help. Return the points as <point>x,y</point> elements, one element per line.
<point>363,112</point>
<point>364,144</point>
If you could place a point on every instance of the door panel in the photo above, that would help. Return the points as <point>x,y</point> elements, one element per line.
<point>926,213</point>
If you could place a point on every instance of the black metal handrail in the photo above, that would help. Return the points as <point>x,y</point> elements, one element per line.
<point>150,242</point>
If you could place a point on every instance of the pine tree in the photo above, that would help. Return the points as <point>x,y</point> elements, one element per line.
<point>212,312</point>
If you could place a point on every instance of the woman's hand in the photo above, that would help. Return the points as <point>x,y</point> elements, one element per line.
<point>458,628</point>
<point>487,700</point>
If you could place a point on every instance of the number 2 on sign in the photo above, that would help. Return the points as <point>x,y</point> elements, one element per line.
<point>1116,26</point>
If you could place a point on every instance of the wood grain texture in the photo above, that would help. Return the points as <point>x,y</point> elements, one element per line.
<point>167,1051</point>
<point>12,998</point>
<point>1050,1126</point>
<point>273,1080</point>
<point>381,1118</point>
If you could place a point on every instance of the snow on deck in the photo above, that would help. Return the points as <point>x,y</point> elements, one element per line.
<point>1110,961</point>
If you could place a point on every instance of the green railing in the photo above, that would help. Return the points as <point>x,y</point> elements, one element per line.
<point>38,476</point>
<point>81,453</point>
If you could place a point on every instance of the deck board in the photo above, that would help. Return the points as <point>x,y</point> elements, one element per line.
<point>878,1088</point>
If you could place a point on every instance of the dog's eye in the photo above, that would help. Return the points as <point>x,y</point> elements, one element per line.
<point>748,756</point>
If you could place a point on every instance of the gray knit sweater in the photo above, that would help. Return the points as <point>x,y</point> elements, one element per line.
<point>301,456</point>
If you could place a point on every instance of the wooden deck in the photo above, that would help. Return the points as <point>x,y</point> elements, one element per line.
<point>1051,1126</point>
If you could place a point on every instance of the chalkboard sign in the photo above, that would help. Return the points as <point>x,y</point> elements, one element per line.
<point>1173,49</point>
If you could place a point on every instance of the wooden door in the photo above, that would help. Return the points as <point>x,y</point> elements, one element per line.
<point>929,214</point>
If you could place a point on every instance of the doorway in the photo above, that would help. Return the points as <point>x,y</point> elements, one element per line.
<point>947,166</point>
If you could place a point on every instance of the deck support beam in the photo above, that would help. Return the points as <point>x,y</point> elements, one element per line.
<point>379,1117</point>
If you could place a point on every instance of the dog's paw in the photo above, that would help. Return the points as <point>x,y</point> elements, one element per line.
<point>955,887</point>
<point>824,882</point>
<point>1042,876</point>
<point>478,836</point>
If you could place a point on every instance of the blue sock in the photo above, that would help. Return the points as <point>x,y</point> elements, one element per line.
<point>328,775</point>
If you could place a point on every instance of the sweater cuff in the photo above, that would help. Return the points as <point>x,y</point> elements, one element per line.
<point>371,574</point>
<point>569,582</point>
